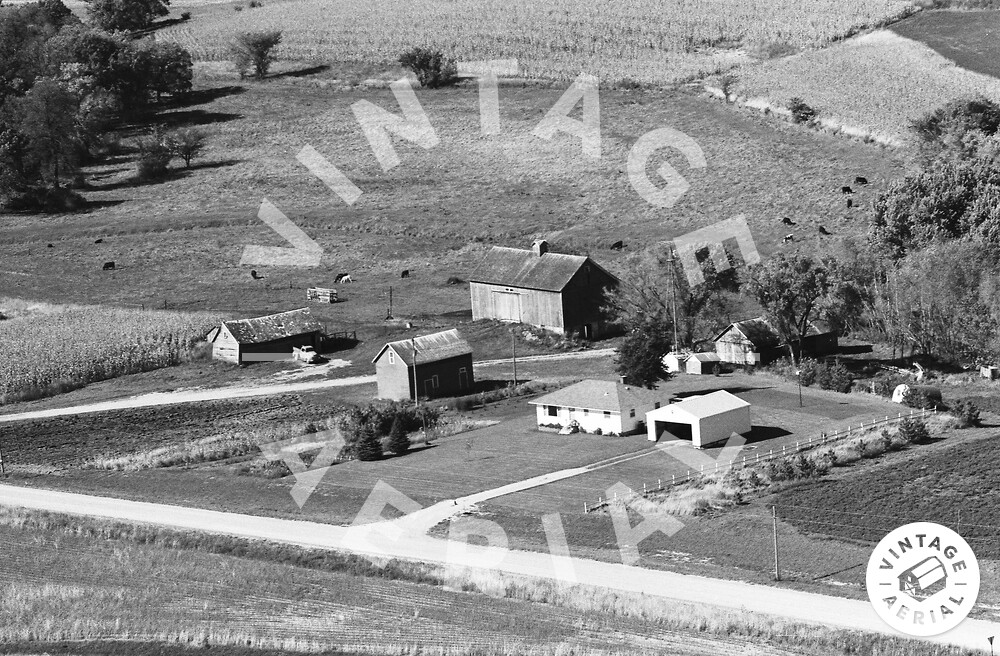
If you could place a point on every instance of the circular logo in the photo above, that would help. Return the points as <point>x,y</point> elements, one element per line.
<point>923,579</point>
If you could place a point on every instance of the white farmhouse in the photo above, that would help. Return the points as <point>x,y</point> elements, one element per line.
<point>613,407</point>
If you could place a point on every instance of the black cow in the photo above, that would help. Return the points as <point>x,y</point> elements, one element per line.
<point>254,274</point>
<point>617,246</point>
<point>109,266</point>
<point>50,246</point>
<point>850,203</point>
<point>98,241</point>
<point>340,277</point>
<point>787,221</point>
<point>860,180</point>
<point>405,273</point>
<point>787,238</point>
<point>823,231</point>
<point>846,190</point>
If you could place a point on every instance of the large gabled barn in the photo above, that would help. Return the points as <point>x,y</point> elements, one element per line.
<point>557,292</point>
<point>265,338</point>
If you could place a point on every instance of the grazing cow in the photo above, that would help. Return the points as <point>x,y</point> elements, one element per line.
<point>787,221</point>
<point>787,238</point>
<point>453,280</point>
<point>255,275</point>
<point>617,246</point>
<point>347,278</point>
<point>860,180</point>
<point>98,241</point>
<point>405,274</point>
<point>850,203</point>
<point>846,190</point>
<point>340,277</point>
<point>109,266</point>
<point>50,246</point>
<point>823,231</point>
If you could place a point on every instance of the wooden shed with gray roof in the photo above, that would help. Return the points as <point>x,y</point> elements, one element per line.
<point>438,365</point>
<point>266,338</point>
<point>554,291</point>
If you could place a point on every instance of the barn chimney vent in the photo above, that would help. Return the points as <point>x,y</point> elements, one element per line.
<point>540,247</point>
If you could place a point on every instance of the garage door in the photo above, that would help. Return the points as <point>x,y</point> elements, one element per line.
<point>507,306</point>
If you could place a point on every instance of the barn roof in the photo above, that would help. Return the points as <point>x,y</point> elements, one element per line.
<point>517,267</point>
<point>273,326</point>
<point>601,395</point>
<point>430,348</point>
<point>701,406</point>
<point>762,334</point>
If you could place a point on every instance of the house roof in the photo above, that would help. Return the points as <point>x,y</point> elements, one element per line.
<point>706,357</point>
<point>273,326</point>
<point>516,267</point>
<point>430,348</point>
<point>601,395</point>
<point>701,406</point>
<point>762,334</point>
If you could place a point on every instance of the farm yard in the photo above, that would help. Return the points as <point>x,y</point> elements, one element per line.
<point>656,43</point>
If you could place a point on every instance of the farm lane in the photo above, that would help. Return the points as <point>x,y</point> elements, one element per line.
<point>222,393</point>
<point>398,543</point>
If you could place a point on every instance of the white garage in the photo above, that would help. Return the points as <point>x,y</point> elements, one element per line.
<point>705,420</point>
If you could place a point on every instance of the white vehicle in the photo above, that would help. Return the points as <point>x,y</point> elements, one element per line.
<point>305,354</point>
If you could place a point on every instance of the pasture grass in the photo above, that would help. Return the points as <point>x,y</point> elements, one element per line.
<point>872,86</point>
<point>967,38</point>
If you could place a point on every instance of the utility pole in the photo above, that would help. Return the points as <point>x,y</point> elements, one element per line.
<point>388,314</point>
<point>3,469</point>
<point>673,294</point>
<point>416,390</point>
<point>513,354</point>
<point>774,518</point>
<point>958,528</point>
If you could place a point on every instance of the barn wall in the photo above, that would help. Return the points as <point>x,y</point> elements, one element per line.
<point>225,347</point>
<point>450,382</point>
<point>582,300</point>
<point>530,306</point>
<point>395,380</point>
<point>820,344</point>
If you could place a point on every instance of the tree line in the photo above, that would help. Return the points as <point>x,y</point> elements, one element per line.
<point>66,86</point>
<point>926,280</point>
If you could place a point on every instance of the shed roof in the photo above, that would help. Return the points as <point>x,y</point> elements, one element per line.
<point>517,267</point>
<point>601,395</point>
<point>762,334</point>
<point>706,357</point>
<point>701,406</point>
<point>273,326</point>
<point>430,348</point>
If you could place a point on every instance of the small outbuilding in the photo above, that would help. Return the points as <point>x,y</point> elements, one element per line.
<point>614,408</point>
<point>706,419</point>
<point>266,338</point>
<point>756,342</point>
<point>437,365</point>
<point>703,363</point>
<point>674,362</point>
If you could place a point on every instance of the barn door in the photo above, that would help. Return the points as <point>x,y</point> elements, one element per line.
<point>507,306</point>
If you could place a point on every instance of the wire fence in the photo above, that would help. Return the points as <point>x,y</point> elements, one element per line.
<point>750,461</point>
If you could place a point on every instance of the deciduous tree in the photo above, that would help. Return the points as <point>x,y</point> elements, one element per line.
<point>255,51</point>
<point>126,15</point>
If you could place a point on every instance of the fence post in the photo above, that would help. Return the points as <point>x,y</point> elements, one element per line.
<point>585,508</point>
<point>782,449</point>
<point>659,484</point>
<point>644,489</point>
<point>673,480</point>
<point>744,461</point>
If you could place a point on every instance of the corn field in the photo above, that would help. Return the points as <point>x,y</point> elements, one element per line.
<point>44,352</point>
<point>649,41</point>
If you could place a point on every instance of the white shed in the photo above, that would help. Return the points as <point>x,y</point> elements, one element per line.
<point>674,362</point>
<point>706,419</point>
<point>899,394</point>
<point>703,363</point>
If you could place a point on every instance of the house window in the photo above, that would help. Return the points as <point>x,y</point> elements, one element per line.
<point>435,379</point>
<point>607,414</point>
<point>392,357</point>
<point>656,405</point>
<point>553,411</point>
<point>631,413</point>
<point>586,412</point>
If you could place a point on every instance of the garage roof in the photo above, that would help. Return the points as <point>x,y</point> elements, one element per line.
<point>702,406</point>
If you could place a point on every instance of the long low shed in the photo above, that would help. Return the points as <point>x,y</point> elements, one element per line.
<point>706,419</point>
